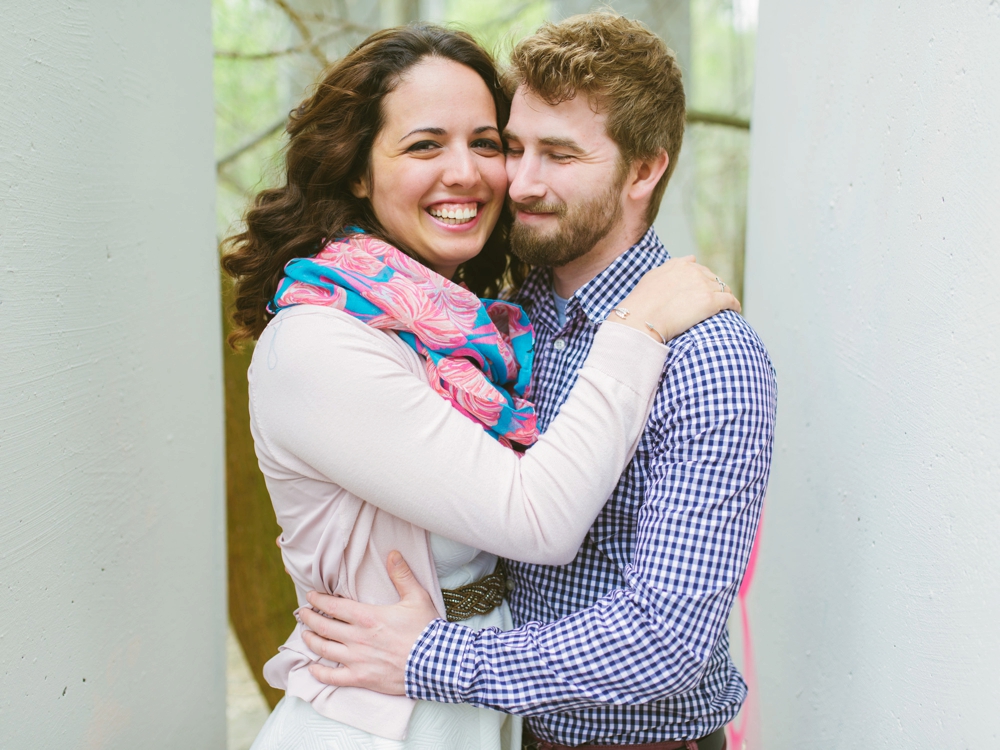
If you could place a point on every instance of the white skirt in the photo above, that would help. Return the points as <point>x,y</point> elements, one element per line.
<point>295,725</point>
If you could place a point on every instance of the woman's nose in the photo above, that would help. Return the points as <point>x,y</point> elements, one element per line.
<point>461,169</point>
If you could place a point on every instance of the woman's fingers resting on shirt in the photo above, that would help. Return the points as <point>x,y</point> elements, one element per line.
<point>674,297</point>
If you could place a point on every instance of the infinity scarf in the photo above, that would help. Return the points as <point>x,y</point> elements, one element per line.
<point>477,353</point>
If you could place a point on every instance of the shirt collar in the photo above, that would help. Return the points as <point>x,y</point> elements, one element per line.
<point>599,295</point>
<point>535,296</point>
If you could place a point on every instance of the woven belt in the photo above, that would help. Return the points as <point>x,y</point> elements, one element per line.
<point>477,598</point>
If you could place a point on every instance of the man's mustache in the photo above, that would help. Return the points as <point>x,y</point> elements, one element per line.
<point>538,207</point>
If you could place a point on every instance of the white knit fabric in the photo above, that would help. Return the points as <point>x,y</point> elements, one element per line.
<point>295,725</point>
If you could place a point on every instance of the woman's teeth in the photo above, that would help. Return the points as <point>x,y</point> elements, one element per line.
<point>455,214</point>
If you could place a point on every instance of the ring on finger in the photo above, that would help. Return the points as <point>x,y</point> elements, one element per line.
<point>722,284</point>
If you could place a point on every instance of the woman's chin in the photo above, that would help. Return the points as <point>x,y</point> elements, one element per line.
<point>457,246</point>
<point>453,254</point>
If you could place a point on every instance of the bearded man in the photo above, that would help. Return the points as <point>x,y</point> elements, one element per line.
<point>626,646</point>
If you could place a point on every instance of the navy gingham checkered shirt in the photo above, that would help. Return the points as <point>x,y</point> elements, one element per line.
<point>627,644</point>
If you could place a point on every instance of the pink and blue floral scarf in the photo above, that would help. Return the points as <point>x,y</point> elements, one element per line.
<point>477,353</point>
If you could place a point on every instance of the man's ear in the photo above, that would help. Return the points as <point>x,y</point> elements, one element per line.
<point>359,187</point>
<point>645,174</point>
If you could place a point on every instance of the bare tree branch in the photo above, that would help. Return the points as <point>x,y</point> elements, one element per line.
<point>304,31</point>
<point>226,54</point>
<point>509,16</point>
<point>714,118</point>
<point>252,143</point>
<point>339,28</point>
<point>227,179</point>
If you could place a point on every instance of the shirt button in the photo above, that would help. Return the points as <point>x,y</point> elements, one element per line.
<point>559,344</point>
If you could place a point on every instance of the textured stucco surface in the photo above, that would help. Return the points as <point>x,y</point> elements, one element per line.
<point>872,274</point>
<point>112,587</point>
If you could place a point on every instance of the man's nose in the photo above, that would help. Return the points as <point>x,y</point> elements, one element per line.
<point>524,185</point>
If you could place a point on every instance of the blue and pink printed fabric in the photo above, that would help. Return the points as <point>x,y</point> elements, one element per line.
<point>477,353</point>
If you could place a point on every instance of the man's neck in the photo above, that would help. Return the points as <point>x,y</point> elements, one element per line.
<point>570,277</point>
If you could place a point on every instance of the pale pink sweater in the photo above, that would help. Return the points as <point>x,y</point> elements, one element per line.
<point>361,457</point>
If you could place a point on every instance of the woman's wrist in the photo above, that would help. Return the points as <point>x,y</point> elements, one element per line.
<point>632,321</point>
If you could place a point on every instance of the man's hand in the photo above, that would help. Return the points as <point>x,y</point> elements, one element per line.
<point>372,643</point>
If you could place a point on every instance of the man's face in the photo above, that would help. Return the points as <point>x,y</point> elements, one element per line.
<point>566,178</point>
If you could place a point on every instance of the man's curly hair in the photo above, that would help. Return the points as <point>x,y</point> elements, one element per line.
<point>626,70</point>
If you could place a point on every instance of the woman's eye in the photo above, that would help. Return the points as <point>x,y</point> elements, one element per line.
<point>487,144</point>
<point>423,146</point>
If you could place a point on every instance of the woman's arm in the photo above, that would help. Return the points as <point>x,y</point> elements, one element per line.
<point>333,398</point>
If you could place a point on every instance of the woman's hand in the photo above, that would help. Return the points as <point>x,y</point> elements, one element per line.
<point>674,297</point>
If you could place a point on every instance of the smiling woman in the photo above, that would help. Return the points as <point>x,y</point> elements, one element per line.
<point>382,110</point>
<point>381,152</point>
<point>441,185</point>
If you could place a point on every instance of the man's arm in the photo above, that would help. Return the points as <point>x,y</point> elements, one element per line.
<point>654,637</point>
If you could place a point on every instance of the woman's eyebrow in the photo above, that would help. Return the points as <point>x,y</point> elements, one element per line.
<point>442,131</point>
<point>431,131</point>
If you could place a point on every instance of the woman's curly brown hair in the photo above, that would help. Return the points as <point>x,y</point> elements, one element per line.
<point>330,137</point>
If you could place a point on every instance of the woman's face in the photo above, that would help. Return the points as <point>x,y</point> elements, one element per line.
<point>438,180</point>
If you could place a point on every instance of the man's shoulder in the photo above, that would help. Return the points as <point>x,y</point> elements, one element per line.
<point>717,371</point>
<point>725,344</point>
<point>722,332</point>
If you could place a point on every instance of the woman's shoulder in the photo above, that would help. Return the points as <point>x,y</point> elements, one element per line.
<point>315,334</point>
<point>311,318</point>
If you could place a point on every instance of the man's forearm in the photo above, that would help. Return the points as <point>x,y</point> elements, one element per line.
<point>616,652</point>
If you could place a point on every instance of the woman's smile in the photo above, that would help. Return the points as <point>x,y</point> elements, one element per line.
<point>455,214</point>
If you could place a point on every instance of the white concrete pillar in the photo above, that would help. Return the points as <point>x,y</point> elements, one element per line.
<point>112,564</point>
<point>872,273</point>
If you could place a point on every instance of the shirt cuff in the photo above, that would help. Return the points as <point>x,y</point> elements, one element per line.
<point>436,669</point>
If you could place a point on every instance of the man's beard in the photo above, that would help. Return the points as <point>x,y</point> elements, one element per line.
<point>580,227</point>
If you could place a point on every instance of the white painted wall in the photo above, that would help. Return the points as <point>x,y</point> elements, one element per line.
<point>112,586</point>
<point>872,275</point>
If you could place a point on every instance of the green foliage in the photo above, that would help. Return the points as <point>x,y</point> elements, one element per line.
<point>250,95</point>
<point>498,24</point>
<point>722,58</point>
